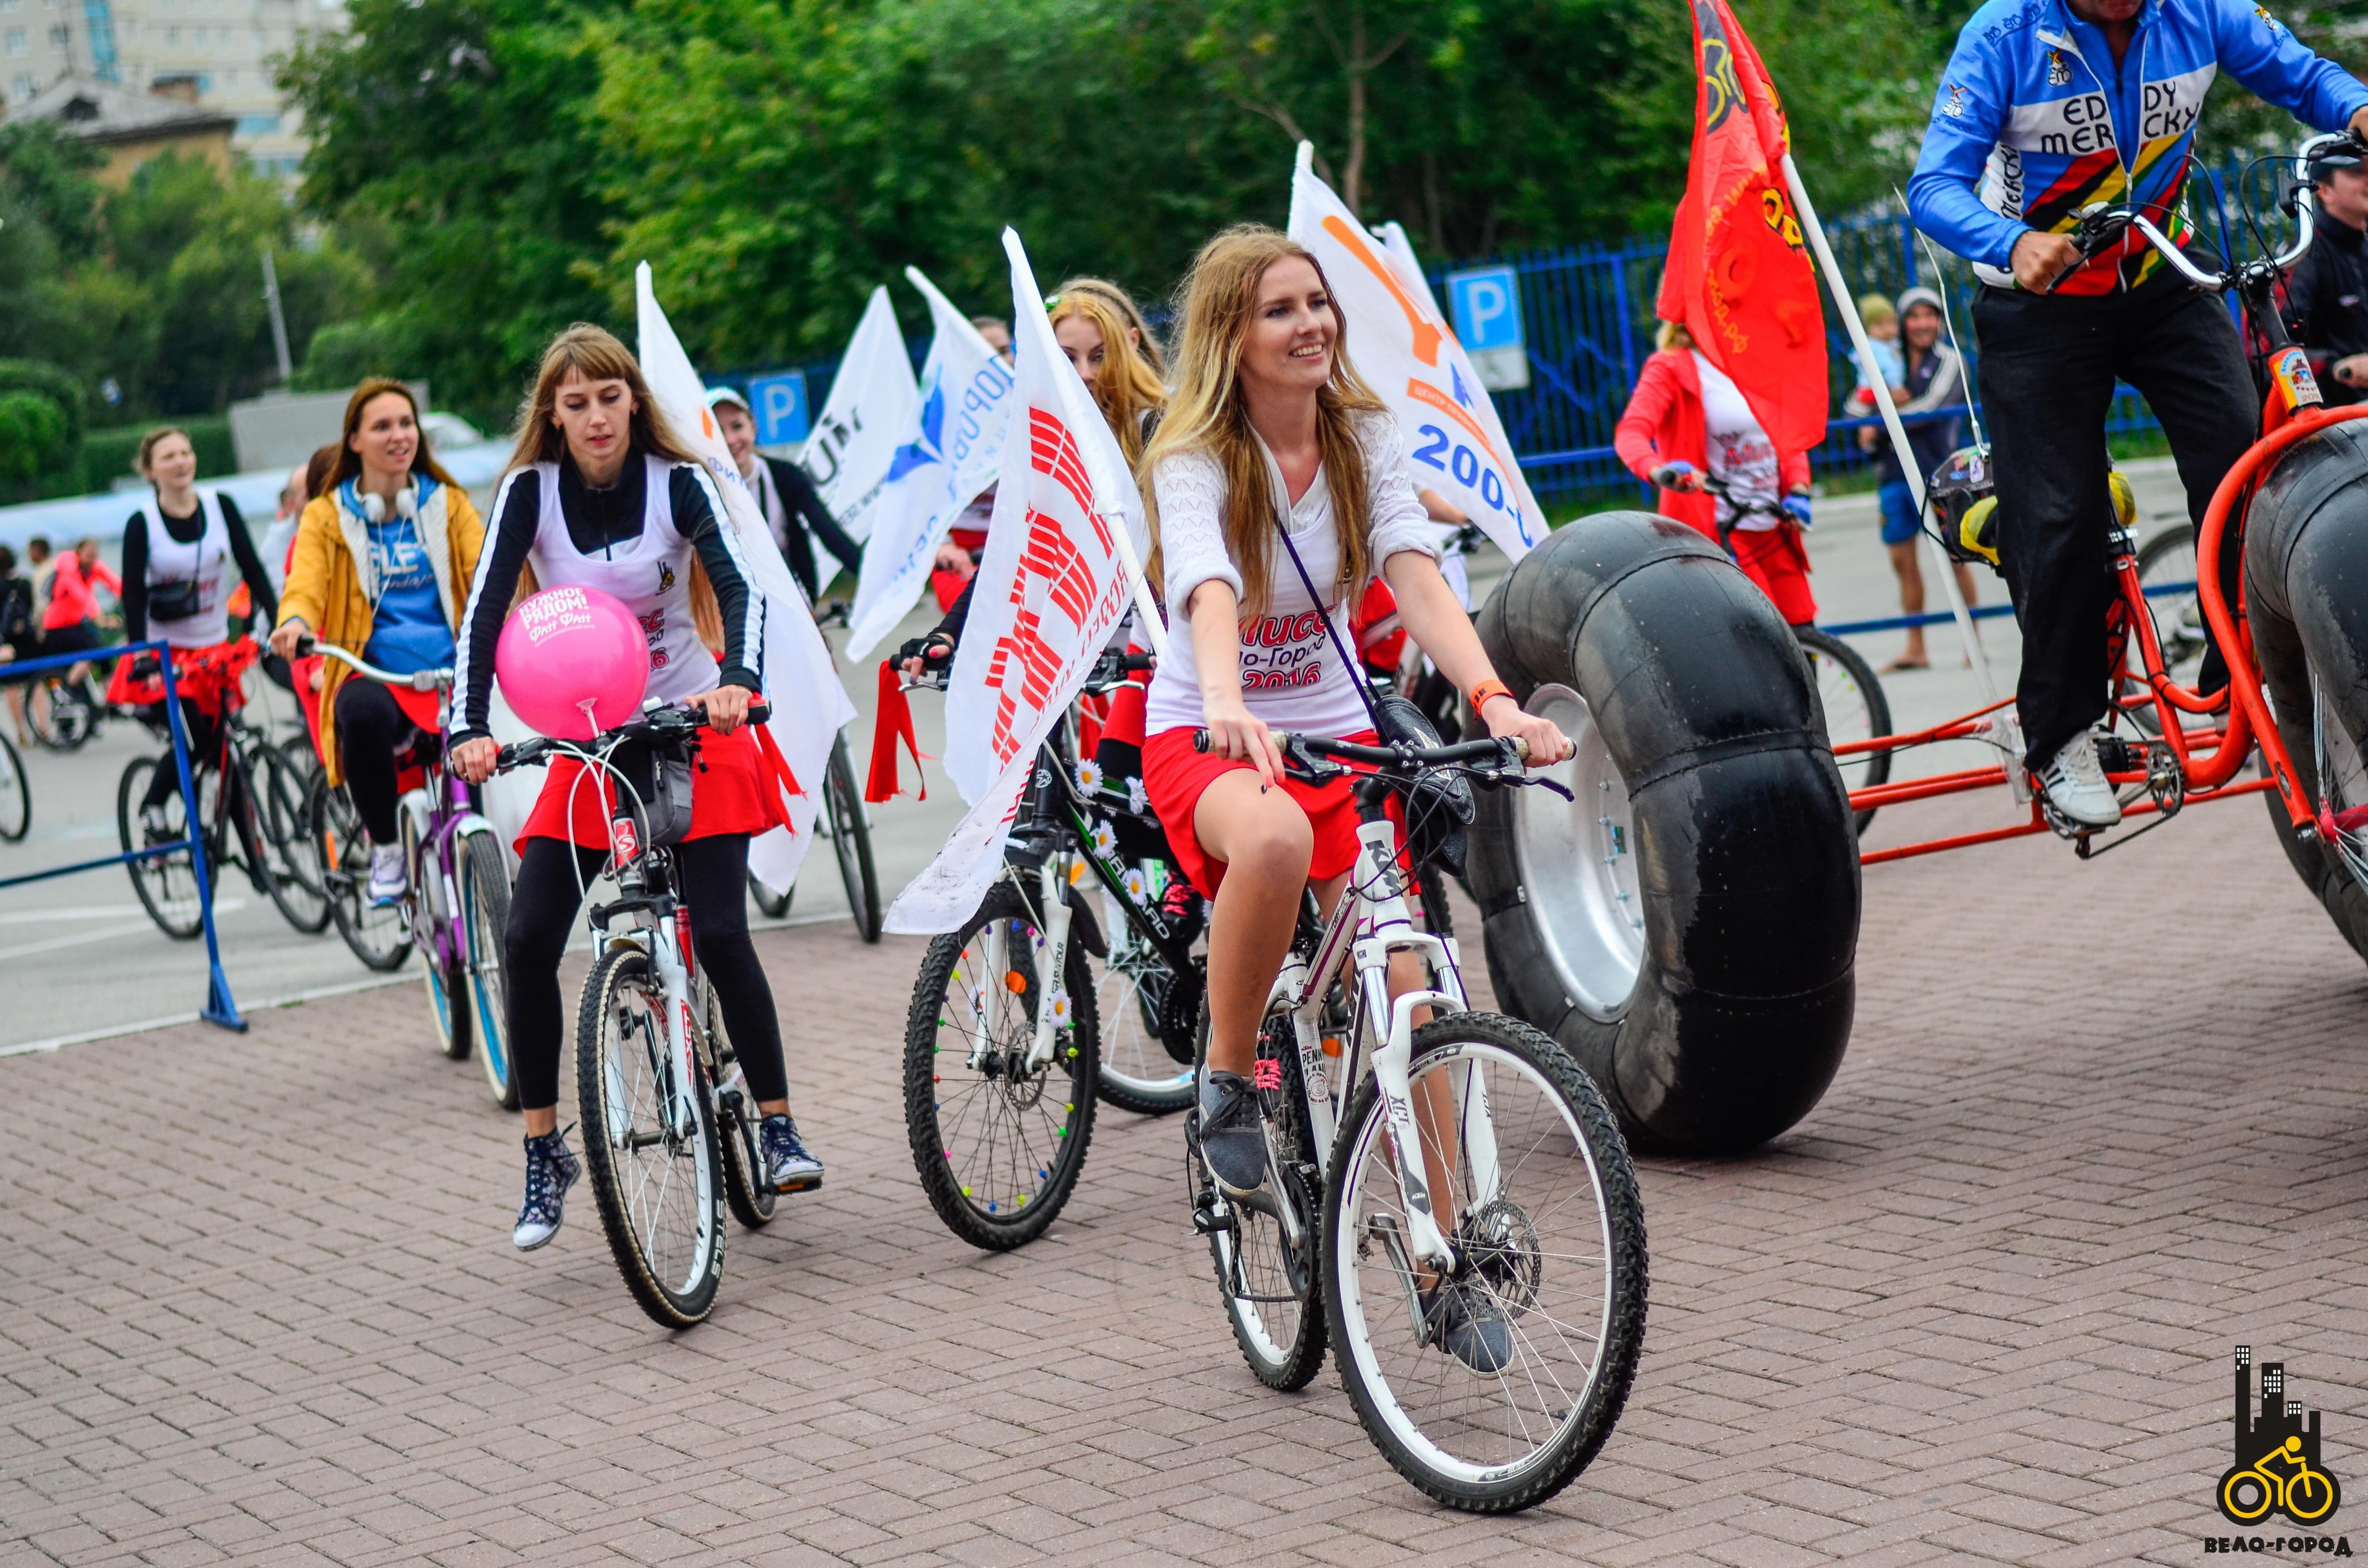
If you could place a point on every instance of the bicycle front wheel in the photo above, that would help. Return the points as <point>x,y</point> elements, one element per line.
<point>2166,561</point>
<point>167,884</point>
<point>1496,1386</point>
<point>1851,697</point>
<point>998,1145</point>
<point>484,916</point>
<point>850,837</point>
<point>16,795</point>
<point>649,1143</point>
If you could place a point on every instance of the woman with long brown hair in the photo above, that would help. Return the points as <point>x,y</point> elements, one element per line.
<point>601,495</point>
<point>185,552</point>
<point>1277,471</point>
<point>383,554</point>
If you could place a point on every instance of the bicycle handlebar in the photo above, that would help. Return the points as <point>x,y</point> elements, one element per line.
<point>667,725</point>
<point>1510,750</point>
<point>417,680</point>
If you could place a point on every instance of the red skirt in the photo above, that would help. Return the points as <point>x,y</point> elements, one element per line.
<point>1175,776</point>
<point>1777,560</point>
<point>732,790</point>
<point>212,678</point>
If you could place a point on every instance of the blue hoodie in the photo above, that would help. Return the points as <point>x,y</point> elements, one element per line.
<point>2033,120</point>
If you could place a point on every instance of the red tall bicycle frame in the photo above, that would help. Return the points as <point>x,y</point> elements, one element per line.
<point>2209,759</point>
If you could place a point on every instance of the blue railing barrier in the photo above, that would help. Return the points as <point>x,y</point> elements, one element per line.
<point>1979,612</point>
<point>219,1008</point>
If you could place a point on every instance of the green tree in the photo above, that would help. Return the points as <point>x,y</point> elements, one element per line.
<point>458,132</point>
<point>32,436</point>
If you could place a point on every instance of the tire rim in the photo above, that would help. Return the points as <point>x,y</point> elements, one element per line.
<point>1578,865</point>
<point>1368,1286</point>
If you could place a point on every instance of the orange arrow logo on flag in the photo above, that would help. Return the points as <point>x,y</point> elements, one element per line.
<point>1423,391</point>
<point>1427,336</point>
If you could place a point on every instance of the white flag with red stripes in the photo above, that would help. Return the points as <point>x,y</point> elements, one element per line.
<point>1062,565</point>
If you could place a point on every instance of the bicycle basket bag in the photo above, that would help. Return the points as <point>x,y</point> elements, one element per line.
<point>1964,495</point>
<point>665,800</point>
<point>1440,807</point>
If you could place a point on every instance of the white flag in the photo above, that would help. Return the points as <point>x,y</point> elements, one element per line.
<point>952,450</point>
<point>1403,346</point>
<point>1063,561</point>
<point>809,705</point>
<point>856,435</point>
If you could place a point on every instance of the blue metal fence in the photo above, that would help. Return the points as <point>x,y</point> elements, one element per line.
<point>1588,317</point>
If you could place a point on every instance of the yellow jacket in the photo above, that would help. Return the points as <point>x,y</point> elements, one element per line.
<point>330,588</point>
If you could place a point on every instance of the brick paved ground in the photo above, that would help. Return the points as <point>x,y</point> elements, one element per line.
<point>257,1301</point>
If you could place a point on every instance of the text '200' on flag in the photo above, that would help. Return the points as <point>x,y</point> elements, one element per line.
<point>1400,343</point>
<point>1739,276</point>
<point>1064,561</point>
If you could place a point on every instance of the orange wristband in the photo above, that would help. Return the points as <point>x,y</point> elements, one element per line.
<point>1486,690</point>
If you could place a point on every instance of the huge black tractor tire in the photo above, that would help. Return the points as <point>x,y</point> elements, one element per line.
<point>1686,928</point>
<point>2306,587</point>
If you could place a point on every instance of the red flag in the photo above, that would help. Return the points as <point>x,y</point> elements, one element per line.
<point>1739,277</point>
<point>892,723</point>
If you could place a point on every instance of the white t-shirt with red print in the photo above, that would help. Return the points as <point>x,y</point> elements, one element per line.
<point>1293,676</point>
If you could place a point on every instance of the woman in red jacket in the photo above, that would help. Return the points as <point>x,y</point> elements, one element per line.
<point>1685,419</point>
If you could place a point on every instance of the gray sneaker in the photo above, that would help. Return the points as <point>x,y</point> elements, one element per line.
<point>1233,1138</point>
<point>791,1166</point>
<point>2074,782</point>
<point>1467,1323</point>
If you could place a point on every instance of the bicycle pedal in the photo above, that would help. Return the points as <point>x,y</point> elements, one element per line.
<point>806,1184</point>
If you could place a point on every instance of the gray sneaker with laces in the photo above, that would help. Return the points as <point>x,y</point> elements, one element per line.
<point>551,1169</point>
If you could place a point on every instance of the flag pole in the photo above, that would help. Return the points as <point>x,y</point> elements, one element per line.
<point>1155,631</point>
<point>1898,432</point>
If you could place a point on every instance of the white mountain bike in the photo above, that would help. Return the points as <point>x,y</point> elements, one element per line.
<point>1520,1213</point>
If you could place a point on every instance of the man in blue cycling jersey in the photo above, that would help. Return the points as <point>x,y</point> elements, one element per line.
<point>2046,106</point>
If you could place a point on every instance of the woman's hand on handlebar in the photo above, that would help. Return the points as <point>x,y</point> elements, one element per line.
<point>726,707</point>
<point>474,759</point>
<point>1506,717</point>
<point>288,634</point>
<point>924,654</point>
<point>1233,732</point>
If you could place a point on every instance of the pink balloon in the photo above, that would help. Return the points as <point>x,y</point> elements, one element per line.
<point>573,662</point>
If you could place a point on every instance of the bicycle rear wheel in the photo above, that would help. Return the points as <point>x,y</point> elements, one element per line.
<point>851,839</point>
<point>771,905</point>
<point>60,713</point>
<point>448,997</point>
<point>484,915</point>
<point>746,1188</point>
<point>274,817</point>
<point>998,1147</point>
<point>649,1143</point>
<point>16,795</point>
<point>2164,561</point>
<point>1549,1236</point>
<point>1135,994</point>
<point>1852,699</point>
<point>167,884</point>
<point>381,938</point>
<point>1266,1249</point>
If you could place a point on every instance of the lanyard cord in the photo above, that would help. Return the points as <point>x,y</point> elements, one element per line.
<point>1355,675</point>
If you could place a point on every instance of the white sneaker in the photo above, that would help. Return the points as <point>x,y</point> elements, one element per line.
<point>388,880</point>
<point>2075,785</point>
<point>156,825</point>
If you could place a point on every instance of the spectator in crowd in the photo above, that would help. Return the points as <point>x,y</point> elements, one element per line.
<point>1883,335</point>
<point>2327,300</point>
<point>19,634</point>
<point>1931,379</point>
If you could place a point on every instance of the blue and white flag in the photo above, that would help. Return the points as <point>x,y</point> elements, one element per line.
<point>952,451</point>
<point>855,436</point>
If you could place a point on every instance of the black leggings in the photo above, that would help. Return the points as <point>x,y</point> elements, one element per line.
<point>712,877</point>
<point>370,730</point>
<point>205,750</point>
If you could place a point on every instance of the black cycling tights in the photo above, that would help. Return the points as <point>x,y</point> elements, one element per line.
<point>205,751</point>
<point>713,874</point>
<point>370,730</point>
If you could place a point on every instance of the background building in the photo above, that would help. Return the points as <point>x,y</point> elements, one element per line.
<point>222,49</point>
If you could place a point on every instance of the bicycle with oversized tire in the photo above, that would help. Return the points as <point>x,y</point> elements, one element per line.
<point>671,1130</point>
<point>1421,1175</point>
<point>456,902</point>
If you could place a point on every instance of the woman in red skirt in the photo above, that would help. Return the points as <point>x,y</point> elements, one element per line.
<point>1276,469</point>
<point>600,494</point>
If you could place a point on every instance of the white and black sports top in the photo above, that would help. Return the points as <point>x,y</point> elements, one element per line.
<point>190,563</point>
<point>635,540</point>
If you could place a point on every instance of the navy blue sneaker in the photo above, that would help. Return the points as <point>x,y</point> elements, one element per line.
<point>551,1169</point>
<point>787,1160</point>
